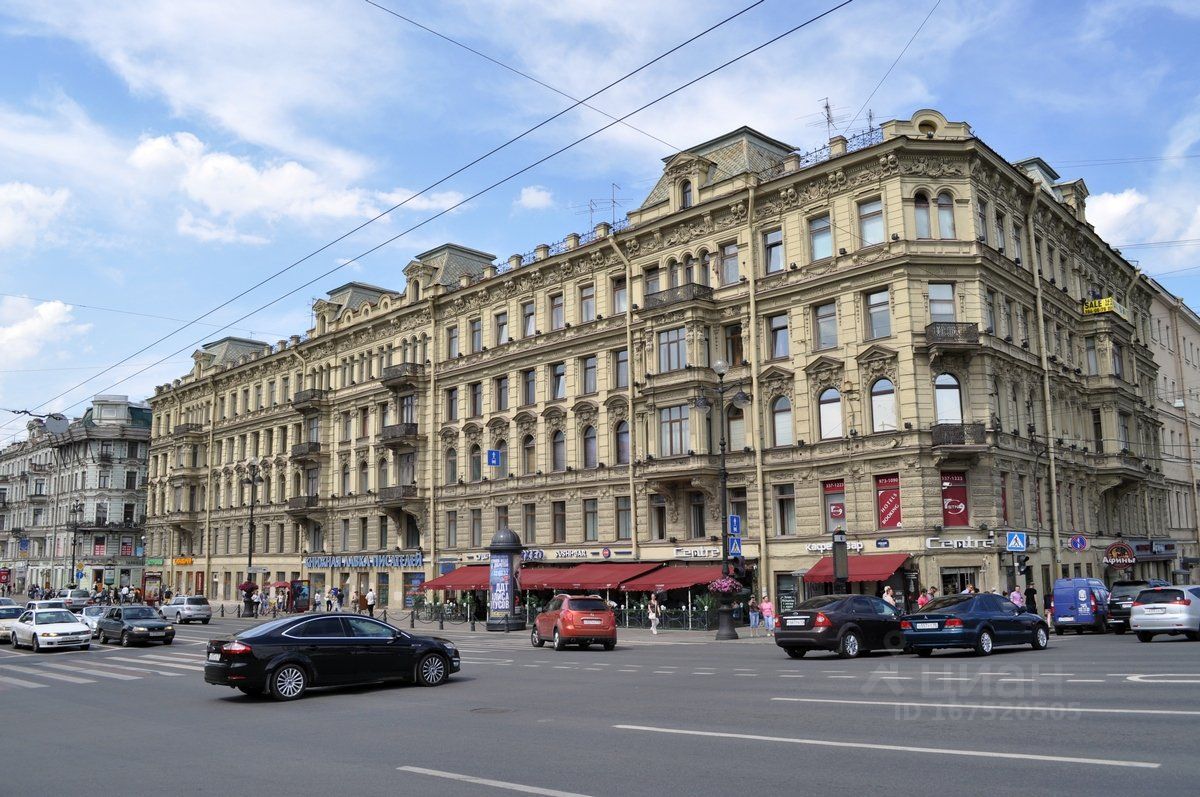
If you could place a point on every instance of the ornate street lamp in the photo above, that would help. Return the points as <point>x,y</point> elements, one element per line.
<point>75,511</point>
<point>725,629</point>
<point>252,479</point>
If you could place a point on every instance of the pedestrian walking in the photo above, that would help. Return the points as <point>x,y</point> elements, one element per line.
<point>362,603</point>
<point>768,612</point>
<point>755,615</point>
<point>923,598</point>
<point>889,595</point>
<point>654,611</point>
<point>329,600</point>
<point>1016,597</point>
<point>125,594</point>
<point>354,601</point>
<point>371,602</point>
<point>1031,598</point>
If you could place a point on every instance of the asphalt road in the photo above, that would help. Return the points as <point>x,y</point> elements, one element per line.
<point>676,714</point>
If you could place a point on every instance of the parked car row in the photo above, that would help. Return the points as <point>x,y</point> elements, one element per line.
<point>1146,607</point>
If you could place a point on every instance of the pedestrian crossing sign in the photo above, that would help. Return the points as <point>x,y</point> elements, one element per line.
<point>1017,541</point>
<point>735,546</point>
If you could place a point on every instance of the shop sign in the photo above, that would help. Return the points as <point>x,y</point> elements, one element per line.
<point>532,555</point>
<point>127,546</point>
<point>4,575</point>
<point>477,557</point>
<point>183,561</point>
<point>962,543</point>
<point>705,552</point>
<point>887,501</point>
<point>954,499</point>
<point>99,548</point>
<point>1119,555</point>
<point>378,561</point>
<point>1105,305</point>
<point>570,553</point>
<point>154,562</point>
<point>883,542</point>
<point>826,547</point>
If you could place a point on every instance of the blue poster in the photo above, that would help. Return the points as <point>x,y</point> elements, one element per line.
<point>500,581</point>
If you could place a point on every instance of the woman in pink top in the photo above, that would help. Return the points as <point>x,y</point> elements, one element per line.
<point>768,613</point>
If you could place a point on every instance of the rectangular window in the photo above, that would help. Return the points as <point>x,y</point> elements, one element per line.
<point>729,264</point>
<point>954,499</point>
<point>773,251</point>
<point>558,381</point>
<point>476,327</point>
<point>558,312</point>
<point>528,387</point>
<point>785,509</point>
<point>452,342</point>
<point>591,520</point>
<point>1123,430</point>
<point>887,501</point>
<point>621,368</point>
<point>1006,318</point>
<point>989,312</point>
<point>1118,361</point>
<point>737,504</point>
<point>1004,498</point>
<point>476,528</point>
<point>879,315</point>
<point>589,374</point>
<point>825,320</point>
<point>500,393</point>
<point>1000,236</point>
<point>833,494</point>
<point>558,512</point>
<point>870,222</point>
<point>620,295</point>
<point>734,352</point>
<point>777,334</point>
<point>501,517</point>
<point>658,517</point>
<point>501,328</point>
<point>587,303</point>
<point>1093,362</point>
<point>672,350</point>
<point>475,398</point>
<point>673,431</point>
<point>1017,242</point>
<point>383,532</point>
<point>624,517</point>
<point>452,404</point>
<point>650,280</point>
<point>362,534</point>
<point>528,320</point>
<point>820,237</point>
<point>696,524</point>
<point>529,523</point>
<point>941,303</point>
<point>981,216</point>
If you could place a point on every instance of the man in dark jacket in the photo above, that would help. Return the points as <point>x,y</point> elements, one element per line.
<point>1031,598</point>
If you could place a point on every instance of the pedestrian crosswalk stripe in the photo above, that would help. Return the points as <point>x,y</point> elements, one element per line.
<point>54,676</point>
<point>116,676</point>
<point>143,660</point>
<point>138,669</point>
<point>19,682</point>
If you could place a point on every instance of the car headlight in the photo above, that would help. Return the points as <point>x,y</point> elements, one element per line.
<point>141,629</point>
<point>169,628</point>
<point>49,633</point>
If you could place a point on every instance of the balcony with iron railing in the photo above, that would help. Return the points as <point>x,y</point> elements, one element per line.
<point>964,436</point>
<point>395,376</point>
<point>311,399</point>
<point>397,495</point>
<point>306,452</point>
<point>688,292</point>
<point>952,335</point>
<point>187,429</point>
<point>399,434</point>
<point>303,505</point>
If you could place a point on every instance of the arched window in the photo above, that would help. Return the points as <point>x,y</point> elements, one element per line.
<point>945,216</point>
<point>476,463</point>
<point>622,440</point>
<point>345,480</point>
<point>451,466</point>
<point>830,405</point>
<point>883,406</point>
<point>381,474</point>
<point>921,208</point>
<point>502,449</point>
<point>689,270</point>
<point>685,194</point>
<point>364,477</point>
<point>558,451</point>
<point>737,429</point>
<point>528,455</point>
<point>416,291</point>
<point>947,397</point>
<point>705,268</point>
<point>781,420</point>
<point>590,455</point>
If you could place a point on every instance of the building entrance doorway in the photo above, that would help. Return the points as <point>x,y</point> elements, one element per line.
<point>956,579</point>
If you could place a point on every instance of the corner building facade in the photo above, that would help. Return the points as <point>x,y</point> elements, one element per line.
<point>904,310</point>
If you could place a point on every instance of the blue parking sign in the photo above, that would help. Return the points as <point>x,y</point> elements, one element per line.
<point>493,457</point>
<point>735,526</point>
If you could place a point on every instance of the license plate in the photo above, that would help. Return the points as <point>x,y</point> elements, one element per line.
<point>214,656</point>
<point>1066,619</point>
<point>926,626</point>
<point>795,621</point>
<point>1126,605</point>
<point>591,622</point>
<point>158,633</point>
<point>1155,610</point>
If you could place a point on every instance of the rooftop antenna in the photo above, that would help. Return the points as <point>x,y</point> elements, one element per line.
<point>830,118</point>
<point>594,205</point>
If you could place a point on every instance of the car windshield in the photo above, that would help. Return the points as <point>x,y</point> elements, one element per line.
<point>948,604</point>
<point>1120,590</point>
<point>1159,596</point>
<point>93,611</point>
<point>266,628</point>
<point>197,601</point>
<point>588,605</point>
<point>141,613</point>
<point>51,617</point>
<point>8,612</point>
<point>79,593</point>
<point>821,601</point>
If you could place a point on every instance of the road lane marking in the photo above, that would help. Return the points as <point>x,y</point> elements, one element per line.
<point>1085,680</point>
<point>71,679</point>
<point>1023,680</point>
<point>791,676</point>
<point>952,678</point>
<point>117,676</point>
<point>138,669</point>
<point>495,784</point>
<point>143,660</point>
<point>745,675</point>
<point>896,748</point>
<point>894,677</point>
<point>1165,678</point>
<point>841,676</point>
<point>19,682</point>
<point>892,703</point>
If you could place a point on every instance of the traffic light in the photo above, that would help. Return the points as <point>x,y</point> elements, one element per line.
<point>737,567</point>
<point>1022,564</point>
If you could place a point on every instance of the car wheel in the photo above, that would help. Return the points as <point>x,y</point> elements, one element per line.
<point>178,619</point>
<point>924,653</point>
<point>534,639</point>
<point>1144,636</point>
<point>1192,635</point>
<point>431,670</point>
<point>610,645</point>
<point>205,621</point>
<point>125,640</point>
<point>37,646</point>
<point>985,643</point>
<point>1040,638</point>
<point>559,642</point>
<point>289,682</point>
<point>16,645</point>
<point>796,653</point>
<point>849,647</point>
<point>1118,630</point>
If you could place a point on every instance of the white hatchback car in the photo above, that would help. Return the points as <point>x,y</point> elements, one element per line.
<point>1166,610</point>
<point>50,628</point>
<point>8,616</point>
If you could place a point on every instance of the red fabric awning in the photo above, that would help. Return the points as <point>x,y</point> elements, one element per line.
<point>593,575</point>
<point>672,578</point>
<point>470,577</point>
<point>866,567</point>
<point>536,577</point>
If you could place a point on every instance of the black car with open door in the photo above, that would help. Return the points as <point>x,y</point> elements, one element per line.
<point>287,657</point>
<point>844,624</point>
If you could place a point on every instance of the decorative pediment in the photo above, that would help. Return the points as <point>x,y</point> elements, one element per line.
<point>877,362</point>
<point>824,363</point>
<point>448,434</point>
<point>585,413</point>
<point>498,425</point>
<point>777,381</point>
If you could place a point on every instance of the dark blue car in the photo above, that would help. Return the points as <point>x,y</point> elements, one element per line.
<point>980,622</point>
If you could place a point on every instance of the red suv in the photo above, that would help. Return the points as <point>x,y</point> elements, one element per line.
<point>575,620</point>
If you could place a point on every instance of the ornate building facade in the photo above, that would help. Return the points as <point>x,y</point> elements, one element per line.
<point>903,311</point>
<point>78,484</point>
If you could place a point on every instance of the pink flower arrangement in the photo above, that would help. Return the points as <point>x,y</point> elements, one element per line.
<point>725,585</point>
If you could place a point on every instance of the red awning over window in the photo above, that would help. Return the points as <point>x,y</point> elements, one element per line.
<point>867,567</point>
<point>672,578</point>
<point>593,575</point>
<point>470,577</point>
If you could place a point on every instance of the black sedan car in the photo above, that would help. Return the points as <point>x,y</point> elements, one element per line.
<point>979,622</point>
<point>845,624</point>
<point>134,625</point>
<point>287,657</point>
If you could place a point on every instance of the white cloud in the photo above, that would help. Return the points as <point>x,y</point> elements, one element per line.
<point>535,197</point>
<point>212,232</point>
<point>435,201</point>
<point>28,328</point>
<point>1119,217</point>
<point>26,212</point>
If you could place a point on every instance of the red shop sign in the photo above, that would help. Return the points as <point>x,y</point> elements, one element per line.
<point>954,500</point>
<point>887,501</point>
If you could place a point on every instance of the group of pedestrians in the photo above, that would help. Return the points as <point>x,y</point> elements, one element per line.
<point>360,602</point>
<point>762,615</point>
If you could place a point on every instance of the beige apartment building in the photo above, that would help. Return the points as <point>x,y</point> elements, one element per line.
<point>934,347</point>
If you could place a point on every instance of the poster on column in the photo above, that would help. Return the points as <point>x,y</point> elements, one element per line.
<point>887,501</point>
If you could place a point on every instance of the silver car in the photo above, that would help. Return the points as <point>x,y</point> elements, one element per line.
<point>75,599</point>
<point>90,616</point>
<point>186,608</point>
<point>1166,610</point>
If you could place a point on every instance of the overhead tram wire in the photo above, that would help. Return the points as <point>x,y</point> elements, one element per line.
<point>424,190</point>
<point>504,180</point>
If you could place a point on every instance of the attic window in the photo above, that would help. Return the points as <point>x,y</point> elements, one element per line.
<point>685,194</point>
<point>927,128</point>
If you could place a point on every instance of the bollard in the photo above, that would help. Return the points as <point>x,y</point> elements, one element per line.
<point>412,619</point>
<point>441,621</point>
<point>472,622</point>
<point>385,615</point>
<point>222,610</point>
<point>239,610</point>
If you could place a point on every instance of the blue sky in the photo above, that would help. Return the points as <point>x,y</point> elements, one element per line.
<point>160,158</point>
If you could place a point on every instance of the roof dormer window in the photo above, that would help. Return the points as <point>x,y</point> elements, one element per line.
<point>685,194</point>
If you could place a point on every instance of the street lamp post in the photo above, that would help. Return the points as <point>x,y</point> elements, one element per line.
<point>725,629</point>
<point>75,511</point>
<point>252,479</point>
